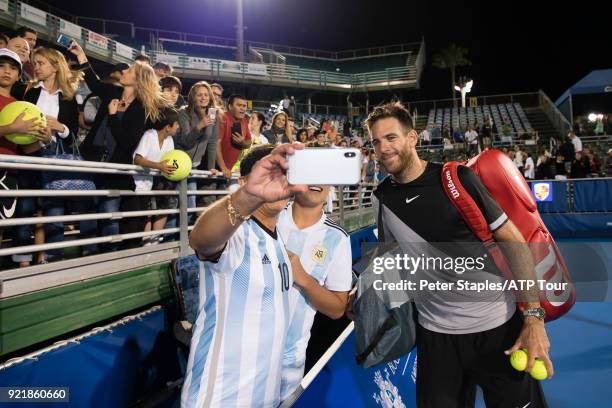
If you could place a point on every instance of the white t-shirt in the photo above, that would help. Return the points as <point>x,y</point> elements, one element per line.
<point>325,253</point>
<point>239,335</point>
<point>529,168</point>
<point>426,136</point>
<point>148,147</point>
<point>471,136</point>
<point>577,144</point>
<point>518,159</point>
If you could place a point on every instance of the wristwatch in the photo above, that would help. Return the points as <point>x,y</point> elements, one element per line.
<point>536,312</point>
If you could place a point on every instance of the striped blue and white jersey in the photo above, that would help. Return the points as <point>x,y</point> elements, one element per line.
<point>239,335</point>
<point>325,253</point>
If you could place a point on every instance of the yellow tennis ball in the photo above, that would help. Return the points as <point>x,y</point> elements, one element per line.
<point>518,360</point>
<point>10,112</point>
<point>538,371</point>
<point>181,163</point>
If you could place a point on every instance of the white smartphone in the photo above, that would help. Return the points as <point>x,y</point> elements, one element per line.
<point>212,113</point>
<point>324,166</point>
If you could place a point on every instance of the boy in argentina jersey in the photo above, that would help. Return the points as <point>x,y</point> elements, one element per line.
<point>245,277</point>
<point>320,252</point>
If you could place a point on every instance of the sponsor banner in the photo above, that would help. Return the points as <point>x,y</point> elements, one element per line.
<point>240,67</point>
<point>124,51</point>
<point>171,59</point>
<point>70,29</point>
<point>199,63</point>
<point>33,14</point>
<point>97,40</point>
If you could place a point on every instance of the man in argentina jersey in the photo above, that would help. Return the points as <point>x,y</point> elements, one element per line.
<point>320,252</point>
<point>245,277</point>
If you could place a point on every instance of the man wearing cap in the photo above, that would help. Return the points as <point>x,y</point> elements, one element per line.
<point>20,47</point>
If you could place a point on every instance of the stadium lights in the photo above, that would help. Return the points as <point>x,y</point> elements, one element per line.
<point>465,86</point>
<point>594,116</point>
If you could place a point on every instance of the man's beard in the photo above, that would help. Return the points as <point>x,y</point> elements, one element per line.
<point>406,162</point>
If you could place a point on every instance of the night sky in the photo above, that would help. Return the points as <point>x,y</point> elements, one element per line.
<point>514,46</point>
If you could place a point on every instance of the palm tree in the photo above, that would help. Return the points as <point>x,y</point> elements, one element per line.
<point>451,58</point>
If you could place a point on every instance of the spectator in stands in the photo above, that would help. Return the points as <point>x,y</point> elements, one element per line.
<point>369,173</point>
<point>171,88</point>
<point>458,139</point>
<point>580,166</point>
<point>257,121</point>
<point>279,131</point>
<point>575,141</point>
<point>117,130</point>
<point>325,125</point>
<point>311,133</point>
<point>21,47</point>
<point>3,40</point>
<point>343,143</point>
<point>529,169</point>
<point>506,133</point>
<point>321,140</point>
<point>608,163</point>
<point>10,72</point>
<point>543,167</point>
<point>599,126</point>
<point>486,132</point>
<point>218,95</point>
<point>54,94</point>
<point>446,132</point>
<point>346,128</point>
<point>31,37</point>
<point>436,137</point>
<point>198,132</point>
<point>143,58</point>
<point>425,137</point>
<point>471,138</point>
<point>153,144</point>
<point>594,166</point>
<point>231,142</point>
<point>560,169</point>
<point>285,102</point>
<point>332,134</point>
<point>302,135</point>
<point>568,152</point>
<point>519,158</point>
<point>162,70</point>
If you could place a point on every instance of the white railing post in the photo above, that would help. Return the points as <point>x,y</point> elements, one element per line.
<point>183,218</point>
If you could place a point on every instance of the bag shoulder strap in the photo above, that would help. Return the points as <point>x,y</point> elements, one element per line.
<point>464,203</point>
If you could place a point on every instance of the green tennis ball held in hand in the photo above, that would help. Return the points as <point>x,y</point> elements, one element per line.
<point>519,360</point>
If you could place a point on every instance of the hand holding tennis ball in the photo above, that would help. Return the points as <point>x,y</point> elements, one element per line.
<point>519,360</point>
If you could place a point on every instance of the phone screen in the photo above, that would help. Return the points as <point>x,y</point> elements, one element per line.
<point>64,40</point>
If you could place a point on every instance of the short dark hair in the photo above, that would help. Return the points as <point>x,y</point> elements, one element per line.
<point>12,62</point>
<point>21,31</point>
<point>169,82</point>
<point>232,97</point>
<point>143,58</point>
<point>253,156</point>
<point>4,37</point>
<point>163,67</point>
<point>168,117</point>
<point>391,110</point>
<point>260,117</point>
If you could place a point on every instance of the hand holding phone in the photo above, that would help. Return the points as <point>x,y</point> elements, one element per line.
<point>326,166</point>
<point>64,40</point>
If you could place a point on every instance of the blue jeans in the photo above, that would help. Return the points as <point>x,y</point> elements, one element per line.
<point>108,227</point>
<point>54,232</point>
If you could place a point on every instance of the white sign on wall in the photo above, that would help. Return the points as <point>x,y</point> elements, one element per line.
<point>124,50</point>
<point>97,40</point>
<point>33,14</point>
<point>171,59</point>
<point>199,63</point>
<point>70,29</point>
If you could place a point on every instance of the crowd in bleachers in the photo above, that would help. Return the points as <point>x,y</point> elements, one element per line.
<point>131,114</point>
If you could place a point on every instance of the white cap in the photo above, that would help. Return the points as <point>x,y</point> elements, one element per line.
<point>5,52</point>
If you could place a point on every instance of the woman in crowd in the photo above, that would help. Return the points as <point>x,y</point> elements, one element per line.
<point>116,131</point>
<point>279,132</point>
<point>198,131</point>
<point>53,91</point>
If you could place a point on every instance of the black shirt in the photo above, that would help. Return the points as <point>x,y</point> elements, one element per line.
<point>423,206</point>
